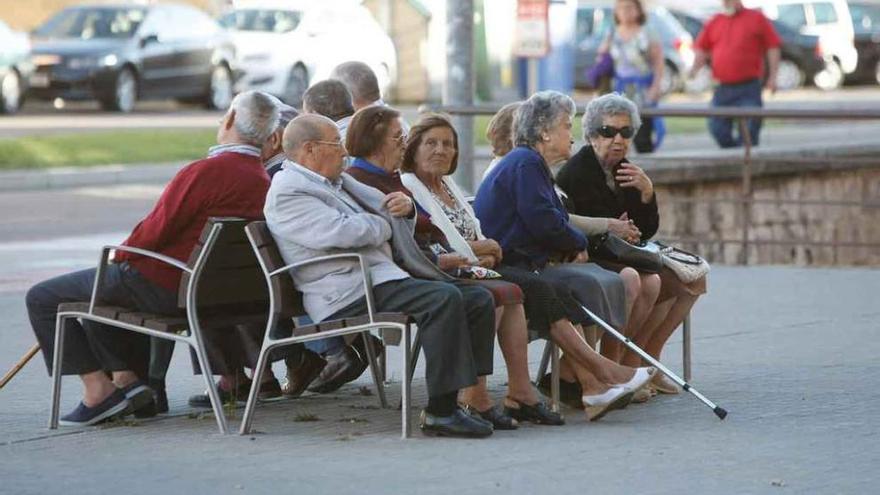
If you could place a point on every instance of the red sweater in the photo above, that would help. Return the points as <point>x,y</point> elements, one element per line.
<point>737,45</point>
<point>227,185</point>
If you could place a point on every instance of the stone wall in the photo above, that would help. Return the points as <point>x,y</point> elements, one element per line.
<point>722,217</point>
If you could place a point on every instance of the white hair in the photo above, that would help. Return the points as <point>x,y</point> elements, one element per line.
<point>256,116</point>
<point>607,106</point>
<point>537,115</point>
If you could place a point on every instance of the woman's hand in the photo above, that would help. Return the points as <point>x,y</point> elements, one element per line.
<point>398,204</point>
<point>624,228</point>
<point>451,261</point>
<point>581,257</point>
<point>487,261</point>
<point>486,247</point>
<point>630,175</point>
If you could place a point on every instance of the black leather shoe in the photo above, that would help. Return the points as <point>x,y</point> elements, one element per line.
<point>460,424</point>
<point>301,375</point>
<point>495,416</point>
<point>569,392</point>
<point>161,396</point>
<point>268,390</point>
<point>537,413</point>
<point>342,367</point>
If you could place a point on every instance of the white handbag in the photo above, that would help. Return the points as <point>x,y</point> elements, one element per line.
<point>688,267</point>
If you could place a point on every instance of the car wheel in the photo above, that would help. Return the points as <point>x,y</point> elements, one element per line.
<point>10,93</point>
<point>297,83</point>
<point>789,75</point>
<point>220,90</point>
<point>829,78</point>
<point>124,94</point>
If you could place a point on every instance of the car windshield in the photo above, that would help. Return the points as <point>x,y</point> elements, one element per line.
<point>93,23</point>
<point>268,21</point>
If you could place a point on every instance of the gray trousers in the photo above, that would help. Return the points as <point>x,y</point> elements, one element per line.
<point>456,327</point>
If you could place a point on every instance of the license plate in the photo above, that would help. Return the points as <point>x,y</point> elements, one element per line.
<point>39,80</point>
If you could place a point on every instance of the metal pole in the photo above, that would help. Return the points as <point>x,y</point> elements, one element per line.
<point>459,86</point>
<point>746,189</point>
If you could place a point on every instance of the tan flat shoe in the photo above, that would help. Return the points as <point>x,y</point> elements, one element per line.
<point>641,395</point>
<point>662,385</point>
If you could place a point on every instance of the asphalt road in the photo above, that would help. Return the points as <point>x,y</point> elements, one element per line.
<point>790,352</point>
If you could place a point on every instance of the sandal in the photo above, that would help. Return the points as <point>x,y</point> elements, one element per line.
<point>537,413</point>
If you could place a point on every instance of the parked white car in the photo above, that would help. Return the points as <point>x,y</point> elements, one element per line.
<point>284,46</point>
<point>830,20</point>
<point>15,68</point>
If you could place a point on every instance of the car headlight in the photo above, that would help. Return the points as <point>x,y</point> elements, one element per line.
<point>109,60</point>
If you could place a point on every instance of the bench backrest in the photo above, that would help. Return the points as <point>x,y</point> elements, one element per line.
<point>288,300</point>
<point>231,279</point>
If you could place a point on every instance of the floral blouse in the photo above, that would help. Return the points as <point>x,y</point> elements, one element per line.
<point>458,215</point>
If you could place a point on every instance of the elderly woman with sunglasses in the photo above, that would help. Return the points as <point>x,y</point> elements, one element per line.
<point>600,182</point>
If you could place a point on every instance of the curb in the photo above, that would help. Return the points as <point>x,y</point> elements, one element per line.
<point>102,175</point>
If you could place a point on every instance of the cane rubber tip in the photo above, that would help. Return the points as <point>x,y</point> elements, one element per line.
<point>720,412</point>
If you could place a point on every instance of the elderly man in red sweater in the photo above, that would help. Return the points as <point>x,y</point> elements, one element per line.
<point>230,181</point>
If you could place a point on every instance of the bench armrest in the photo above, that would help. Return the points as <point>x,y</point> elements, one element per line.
<point>105,255</point>
<point>365,274</point>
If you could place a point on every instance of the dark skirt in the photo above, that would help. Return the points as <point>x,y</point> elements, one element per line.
<point>599,290</point>
<point>546,301</point>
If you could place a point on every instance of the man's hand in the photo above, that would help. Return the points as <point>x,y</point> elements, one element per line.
<point>770,85</point>
<point>451,261</point>
<point>629,175</point>
<point>398,204</point>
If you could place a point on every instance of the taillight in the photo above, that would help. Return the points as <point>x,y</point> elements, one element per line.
<point>677,44</point>
<point>818,50</point>
<point>681,45</point>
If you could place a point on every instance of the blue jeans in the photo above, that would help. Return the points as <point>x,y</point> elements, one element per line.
<point>323,347</point>
<point>91,346</point>
<point>747,94</point>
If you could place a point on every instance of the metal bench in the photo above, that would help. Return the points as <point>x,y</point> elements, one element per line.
<point>285,302</point>
<point>221,286</point>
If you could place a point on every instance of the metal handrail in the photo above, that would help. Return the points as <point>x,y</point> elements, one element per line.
<point>746,199</point>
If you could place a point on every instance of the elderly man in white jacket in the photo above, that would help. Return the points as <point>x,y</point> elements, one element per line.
<point>313,209</point>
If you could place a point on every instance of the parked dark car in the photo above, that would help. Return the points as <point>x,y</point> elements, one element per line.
<point>866,26</point>
<point>593,24</point>
<point>118,54</point>
<point>802,56</point>
<point>15,68</point>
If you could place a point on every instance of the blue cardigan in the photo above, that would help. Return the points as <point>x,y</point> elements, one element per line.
<point>518,207</point>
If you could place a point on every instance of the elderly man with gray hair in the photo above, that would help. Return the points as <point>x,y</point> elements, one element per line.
<point>314,209</point>
<point>332,99</point>
<point>112,364</point>
<point>363,85</point>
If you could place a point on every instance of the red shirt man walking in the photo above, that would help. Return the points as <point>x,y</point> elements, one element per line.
<point>737,41</point>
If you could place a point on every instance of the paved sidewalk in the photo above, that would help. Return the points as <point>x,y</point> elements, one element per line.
<point>791,353</point>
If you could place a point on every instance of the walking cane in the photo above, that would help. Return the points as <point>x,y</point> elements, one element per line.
<point>19,365</point>
<point>719,411</point>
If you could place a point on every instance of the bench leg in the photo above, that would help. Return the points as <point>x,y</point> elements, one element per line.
<point>374,369</point>
<point>554,377</point>
<point>405,384</point>
<point>196,343</point>
<point>56,371</point>
<point>254,392</point>
<point>545,361</point>
<point>686,347</point>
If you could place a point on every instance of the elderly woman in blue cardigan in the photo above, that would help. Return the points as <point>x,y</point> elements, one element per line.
<point>518,206</point>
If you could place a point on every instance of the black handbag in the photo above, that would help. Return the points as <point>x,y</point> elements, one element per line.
<point>609,247</point>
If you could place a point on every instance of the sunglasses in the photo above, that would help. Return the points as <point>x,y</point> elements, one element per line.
<point>609,131</point>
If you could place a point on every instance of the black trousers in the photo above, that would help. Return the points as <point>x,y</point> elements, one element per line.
<point>456,327</point>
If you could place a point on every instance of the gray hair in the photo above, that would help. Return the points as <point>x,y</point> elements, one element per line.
<point>360,80</point>
<point>286,113</point>
<point>330,98</point>
<point>256,116</point>
<point>537,115</point>
<point>606,106</point>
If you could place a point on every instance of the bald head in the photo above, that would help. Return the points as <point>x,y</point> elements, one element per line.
<point>313,141</point>
<point>361,82</point>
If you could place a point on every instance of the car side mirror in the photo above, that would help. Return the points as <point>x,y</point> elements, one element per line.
<point>148,39</point>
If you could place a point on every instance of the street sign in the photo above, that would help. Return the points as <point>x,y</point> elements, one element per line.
<point>532,36</point>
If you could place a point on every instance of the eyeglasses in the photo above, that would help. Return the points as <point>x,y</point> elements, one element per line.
<point>400,139</point>
<point>609,131</point>
<point>330,143</point>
